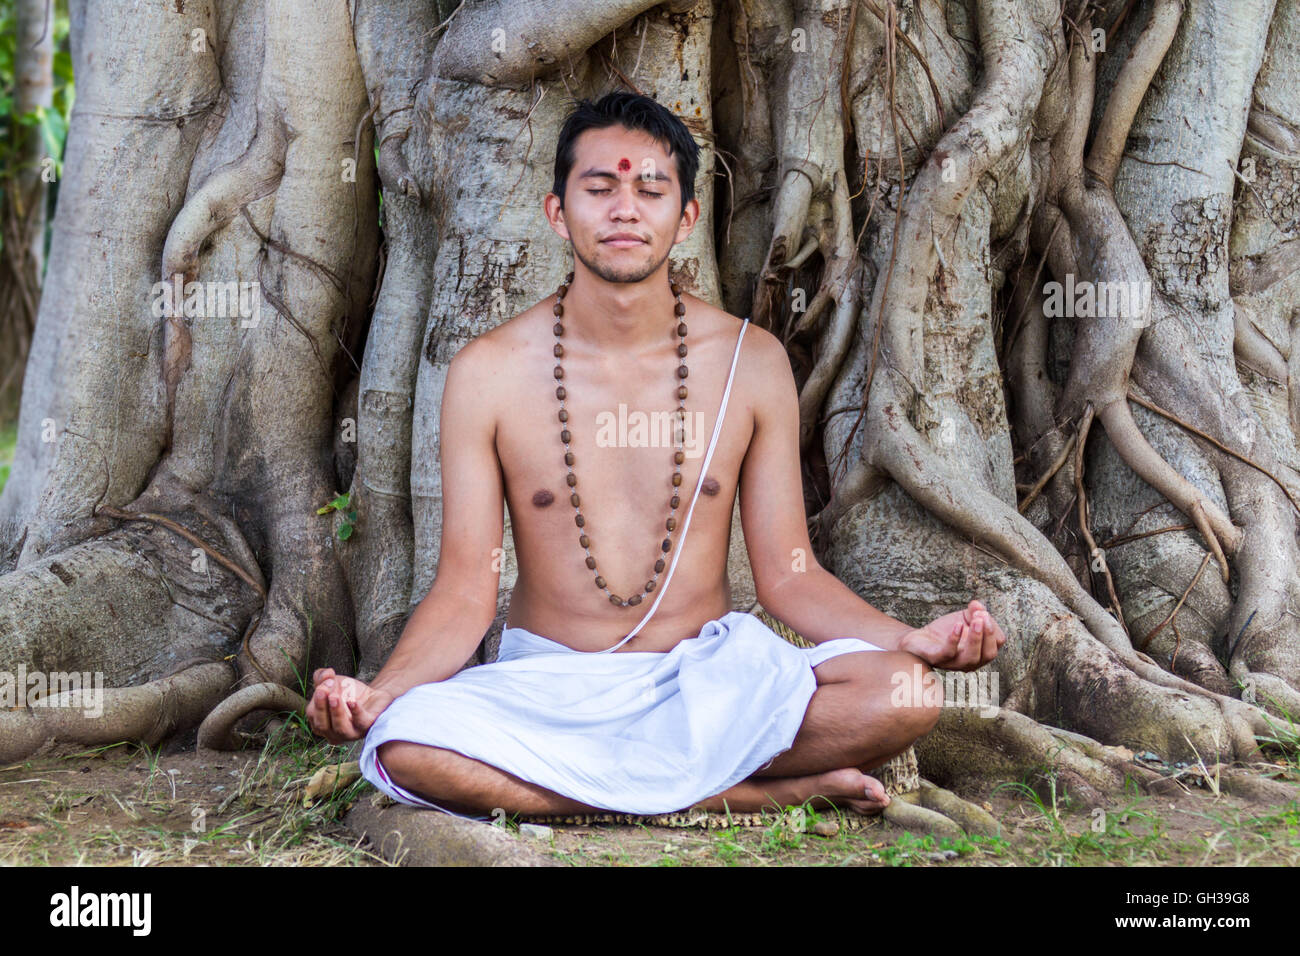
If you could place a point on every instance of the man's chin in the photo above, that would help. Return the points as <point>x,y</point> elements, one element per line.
<point>623,271</point>
<point>626,278</point>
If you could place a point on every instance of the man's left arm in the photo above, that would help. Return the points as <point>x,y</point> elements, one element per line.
<point>790,583</point>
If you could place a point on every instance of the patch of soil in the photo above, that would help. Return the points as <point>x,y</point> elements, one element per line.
<point>120,806</point>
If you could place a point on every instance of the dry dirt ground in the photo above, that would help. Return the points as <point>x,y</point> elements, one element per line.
<point>126,805</point>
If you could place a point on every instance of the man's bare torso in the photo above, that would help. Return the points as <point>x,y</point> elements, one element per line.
<point>624,487</point>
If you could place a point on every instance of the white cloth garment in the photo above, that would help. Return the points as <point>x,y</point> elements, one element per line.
<point>632,732</point>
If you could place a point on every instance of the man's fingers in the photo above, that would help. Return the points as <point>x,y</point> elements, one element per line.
<point>315,719</point>
<point>342,715</point>
<point>991,644</point>
<point>362,718</point>
<point>963,647</point>
<point>327,716</point>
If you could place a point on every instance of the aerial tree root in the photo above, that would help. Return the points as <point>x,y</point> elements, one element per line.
<point>83,374</point>
<point>1086,236</point>
<point>220,567</point>
<point>217,732</point>
<point>1186,381</point>
<point>1090,240</point>
<point>813,199</point>
<point>379,560</point>
<point>1262,631</point>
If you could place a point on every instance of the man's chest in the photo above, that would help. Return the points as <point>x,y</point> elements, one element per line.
<point>623,459</point>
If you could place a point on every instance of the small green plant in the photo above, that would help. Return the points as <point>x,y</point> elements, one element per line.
<point>1052,815</point>
<point>342,503</point>
<point>790,828</point>
<point>153,757</point>
<point>727,845</point>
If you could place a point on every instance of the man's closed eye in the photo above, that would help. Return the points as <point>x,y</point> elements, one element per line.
<point>644,192</point>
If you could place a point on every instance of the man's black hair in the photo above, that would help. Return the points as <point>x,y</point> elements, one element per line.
<point>636,112</point>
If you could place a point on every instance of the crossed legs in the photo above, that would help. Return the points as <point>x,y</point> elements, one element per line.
<point>849,728</point>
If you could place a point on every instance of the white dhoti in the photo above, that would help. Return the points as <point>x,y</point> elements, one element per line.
<point>633,732</point>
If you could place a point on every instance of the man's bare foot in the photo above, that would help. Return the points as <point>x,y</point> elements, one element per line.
<point>852,788</point>
<point>848,788</point>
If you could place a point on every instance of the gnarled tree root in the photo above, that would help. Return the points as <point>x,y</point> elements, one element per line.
<point>908,813</point>
<point>1079,684</point>
<point>969,816</point>
<point>932,809</point>
<point>1252,786</point>
<point>217,732</point>
<point>969,750</point>
<point>148,713</point>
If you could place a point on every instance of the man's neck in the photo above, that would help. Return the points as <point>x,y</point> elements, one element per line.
<point>620,318</point>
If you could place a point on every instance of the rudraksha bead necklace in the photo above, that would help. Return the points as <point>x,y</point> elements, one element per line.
<point>679,455</point>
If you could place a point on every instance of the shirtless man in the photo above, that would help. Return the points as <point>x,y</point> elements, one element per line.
<point>500,442</point>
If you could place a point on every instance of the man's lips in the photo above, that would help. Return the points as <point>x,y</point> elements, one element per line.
<point>623,242</point>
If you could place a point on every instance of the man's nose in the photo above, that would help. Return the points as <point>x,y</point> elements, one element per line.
<point>625,207</point>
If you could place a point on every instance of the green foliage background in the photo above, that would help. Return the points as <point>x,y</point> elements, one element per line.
<point>50,124</point>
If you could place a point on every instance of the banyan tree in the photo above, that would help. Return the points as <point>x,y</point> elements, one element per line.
<point>1036,264</point>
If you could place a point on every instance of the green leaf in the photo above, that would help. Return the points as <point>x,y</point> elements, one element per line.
<point>345,532</point>
<point>63,66</point>
<point>54,131</point>
<point>338,504</point>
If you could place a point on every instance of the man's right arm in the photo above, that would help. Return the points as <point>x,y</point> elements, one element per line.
<point>450,621</point>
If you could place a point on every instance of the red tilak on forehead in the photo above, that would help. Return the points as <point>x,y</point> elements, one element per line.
<point>624,165</point>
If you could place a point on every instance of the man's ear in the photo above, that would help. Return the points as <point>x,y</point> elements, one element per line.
<point>690,216</point>
<point>554,209</point>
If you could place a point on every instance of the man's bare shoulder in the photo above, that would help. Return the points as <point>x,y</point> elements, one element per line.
<point>486,368</point>
<point>763,352</point>
<point>763,359</point>
<point>764,376</point>
<point>494,348</point>
<point>764,383</point>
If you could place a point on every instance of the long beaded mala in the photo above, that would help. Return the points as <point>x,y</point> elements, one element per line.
<point>679,455</point>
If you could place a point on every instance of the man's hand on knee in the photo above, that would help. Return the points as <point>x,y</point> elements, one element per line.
<point>343,708</point>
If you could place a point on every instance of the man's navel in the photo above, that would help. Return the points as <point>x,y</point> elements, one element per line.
<point>542,498</point>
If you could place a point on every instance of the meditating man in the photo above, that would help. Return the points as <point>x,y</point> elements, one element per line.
<point>625,681</point>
